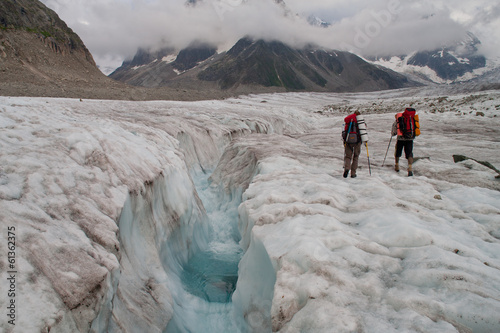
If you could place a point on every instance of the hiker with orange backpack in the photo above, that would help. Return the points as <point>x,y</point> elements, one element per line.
<point>406,127</point>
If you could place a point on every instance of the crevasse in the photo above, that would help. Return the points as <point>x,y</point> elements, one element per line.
<point>203,283</point>
<point>179,268</point>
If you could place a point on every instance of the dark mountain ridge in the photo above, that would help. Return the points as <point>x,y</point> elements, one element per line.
<point>268,66</point>
<point>153,68</point>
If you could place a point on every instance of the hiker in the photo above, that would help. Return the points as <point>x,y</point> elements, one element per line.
<point>352,144</point>
<point>406,127</point>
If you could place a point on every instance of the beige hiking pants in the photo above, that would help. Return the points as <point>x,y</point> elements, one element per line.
<point>351,155</point>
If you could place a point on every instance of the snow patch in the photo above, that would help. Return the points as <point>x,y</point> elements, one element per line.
<point>169,58</point>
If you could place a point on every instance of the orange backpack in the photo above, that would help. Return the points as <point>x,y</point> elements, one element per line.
<point>408,124</point>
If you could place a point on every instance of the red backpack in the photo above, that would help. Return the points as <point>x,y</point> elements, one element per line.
<point>408,124</point>
<point>351,132</point>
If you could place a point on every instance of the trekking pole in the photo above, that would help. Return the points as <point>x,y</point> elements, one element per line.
<point>368,155</point>
<point>387,150</point>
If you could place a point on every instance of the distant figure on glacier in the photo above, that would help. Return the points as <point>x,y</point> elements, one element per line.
<point>406,127</point>
<point>352,144</point>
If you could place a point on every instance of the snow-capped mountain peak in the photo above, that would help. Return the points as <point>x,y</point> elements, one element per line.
<point>459,61</point>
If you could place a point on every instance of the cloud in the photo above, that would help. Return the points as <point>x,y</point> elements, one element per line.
<point>114,29</point>
<point>399,30</point>
<point>484,21</point>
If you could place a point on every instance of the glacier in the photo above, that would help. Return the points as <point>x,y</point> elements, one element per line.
<point>122,209</point>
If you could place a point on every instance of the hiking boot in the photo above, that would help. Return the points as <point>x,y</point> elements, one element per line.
<point>346,173</point>
<point>396,167</point>
<point>410,166</point>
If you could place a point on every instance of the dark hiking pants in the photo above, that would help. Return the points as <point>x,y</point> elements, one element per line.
<point>407,145</point>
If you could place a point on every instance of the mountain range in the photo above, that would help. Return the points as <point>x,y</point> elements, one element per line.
<point>260,65</point>
<point>269,65</point>
<point>41,56</point>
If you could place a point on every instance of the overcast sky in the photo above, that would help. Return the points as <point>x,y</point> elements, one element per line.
<point>113,29</point>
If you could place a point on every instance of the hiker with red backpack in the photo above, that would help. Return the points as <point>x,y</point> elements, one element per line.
<point>406,127</point>
<point>354,134</point>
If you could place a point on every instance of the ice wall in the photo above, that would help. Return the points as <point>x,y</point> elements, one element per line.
<point>68,176</point>
<point>142,301</point>
<point>240,165</point>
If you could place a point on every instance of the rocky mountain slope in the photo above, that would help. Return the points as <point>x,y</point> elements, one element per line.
<point>41,56</point>
<point>38,52</point>
<point>258,65</point>
<point>154,68</point>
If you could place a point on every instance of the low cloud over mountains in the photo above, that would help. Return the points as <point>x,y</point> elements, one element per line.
<point>114,30</point>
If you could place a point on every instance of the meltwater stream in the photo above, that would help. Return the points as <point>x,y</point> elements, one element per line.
<point>205,281</point>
